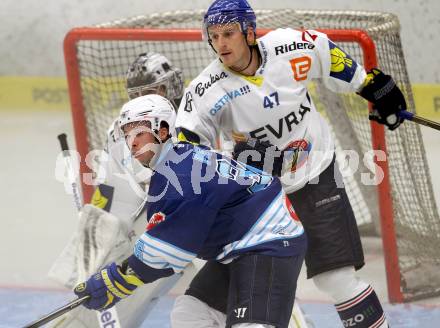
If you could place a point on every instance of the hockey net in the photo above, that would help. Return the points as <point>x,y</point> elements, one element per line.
<point>402,207</point>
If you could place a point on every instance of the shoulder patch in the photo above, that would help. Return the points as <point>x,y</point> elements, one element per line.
<point>343,67</point>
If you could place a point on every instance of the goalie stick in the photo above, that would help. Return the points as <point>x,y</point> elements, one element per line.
<point>420,120</point>
<point>78,201</point>
<point>58,312</point>
<point>74,185</point>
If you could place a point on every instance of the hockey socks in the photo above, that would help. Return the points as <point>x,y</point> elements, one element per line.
<point>362,311</point>
<point>356,302</point>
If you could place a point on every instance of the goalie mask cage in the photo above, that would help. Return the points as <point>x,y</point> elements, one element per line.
<point>402,206</point>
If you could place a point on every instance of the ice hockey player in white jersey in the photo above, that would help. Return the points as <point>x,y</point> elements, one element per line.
<point>255,93</point>
<point>203,204</point>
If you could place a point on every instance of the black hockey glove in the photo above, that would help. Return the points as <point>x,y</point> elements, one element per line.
<point>386,97</point>
<point>260,154</point>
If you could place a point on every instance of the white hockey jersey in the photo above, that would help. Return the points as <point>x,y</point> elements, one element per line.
<point>274,104</point>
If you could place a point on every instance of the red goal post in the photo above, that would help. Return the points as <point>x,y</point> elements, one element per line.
<point>392,195</point>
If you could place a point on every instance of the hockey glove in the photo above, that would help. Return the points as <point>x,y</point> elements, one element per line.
<point>107,287</point>
<point>259,154</point>
<point>387,99</point>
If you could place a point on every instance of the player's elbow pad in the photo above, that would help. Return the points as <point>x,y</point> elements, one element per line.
<point>146,273</point>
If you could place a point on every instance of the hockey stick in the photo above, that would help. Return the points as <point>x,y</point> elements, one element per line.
<point>297,317</point>
<point>58,312</point>
<point>77,199</point>
<point>420,120</point>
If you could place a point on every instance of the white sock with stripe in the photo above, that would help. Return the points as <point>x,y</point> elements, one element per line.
<point>356,302</point>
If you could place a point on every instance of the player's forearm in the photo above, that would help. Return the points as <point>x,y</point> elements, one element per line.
<point>144,272</point>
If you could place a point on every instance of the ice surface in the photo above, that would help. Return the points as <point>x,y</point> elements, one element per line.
<point>38,218</point>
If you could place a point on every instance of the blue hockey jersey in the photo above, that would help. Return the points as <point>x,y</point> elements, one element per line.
<point>203,204</point>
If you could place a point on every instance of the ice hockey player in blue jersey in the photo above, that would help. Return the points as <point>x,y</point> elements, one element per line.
<point>203,204</point>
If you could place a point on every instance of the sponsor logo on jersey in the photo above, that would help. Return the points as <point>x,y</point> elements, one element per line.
<point>307,36</point>
<point>286,48</point>
<point>188,102</point>
<point>228,97</point>
<point>155,219</point>
<point>297,153</point>
<point>284,124</point>
<point>263,57</point>
<point>343,67</point>
<point>300,67</point>
<point>201,87</point>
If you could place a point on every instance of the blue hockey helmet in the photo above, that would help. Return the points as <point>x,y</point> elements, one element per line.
<point>229,11</point>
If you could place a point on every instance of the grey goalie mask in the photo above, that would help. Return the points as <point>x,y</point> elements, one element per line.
<point>152,71</point>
